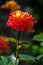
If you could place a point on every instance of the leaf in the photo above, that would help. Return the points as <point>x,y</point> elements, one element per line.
<point>12,40</point>
<point>7,60</point>
<point>26,45</point>
<point>41,44</point>
<point>41,50</point>
<point>39,57</point>
<point>1,62</point>
<point>38,37</point>
<point>11,63</point>
<point>19,46</point>
<point>12,60</point>
<point>4,60</point>
<point>26,57</point>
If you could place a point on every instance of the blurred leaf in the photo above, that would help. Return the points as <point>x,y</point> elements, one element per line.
<point>19,46</point>
<point>4,60</point>
<point>26,57</point>
<point>26,45</point>
<point>1,62</point>
<point>12,60</point>
<point>41,50</point>
<point>38,37</point>
<point>39,57</point>
<point>12,40</point>
<point>34,49</point>
<point>9,58</point>
<point>11,63</point>
<point>41,44</point>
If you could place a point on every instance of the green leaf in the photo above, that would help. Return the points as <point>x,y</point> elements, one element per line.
<point>34,50</point>
<point>26,57</point>
<point>38,37</point>
<point>7,60</point>
<point>1,62</point>
<point>11,63</point>
<point>12,40</point>
<point>4,60</point>
<point>39,57</point>
<point>41,44</point>
<point>41,50</point>
<point>26,46</point>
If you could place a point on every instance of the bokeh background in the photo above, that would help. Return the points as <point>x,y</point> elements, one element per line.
<point>34,7</point>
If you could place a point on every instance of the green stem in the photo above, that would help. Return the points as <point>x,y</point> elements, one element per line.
<point>17,48</point>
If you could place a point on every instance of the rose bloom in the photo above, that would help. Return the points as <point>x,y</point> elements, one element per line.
<point>21,21</point>
<point>4,45</point>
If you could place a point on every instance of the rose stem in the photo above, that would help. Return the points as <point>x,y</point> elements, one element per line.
<point>17,48</point>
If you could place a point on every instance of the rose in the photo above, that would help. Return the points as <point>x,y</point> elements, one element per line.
<point>21,21</point>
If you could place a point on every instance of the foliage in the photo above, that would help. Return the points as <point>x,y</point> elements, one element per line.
<point>33,49</point>
<point>38,37</point>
